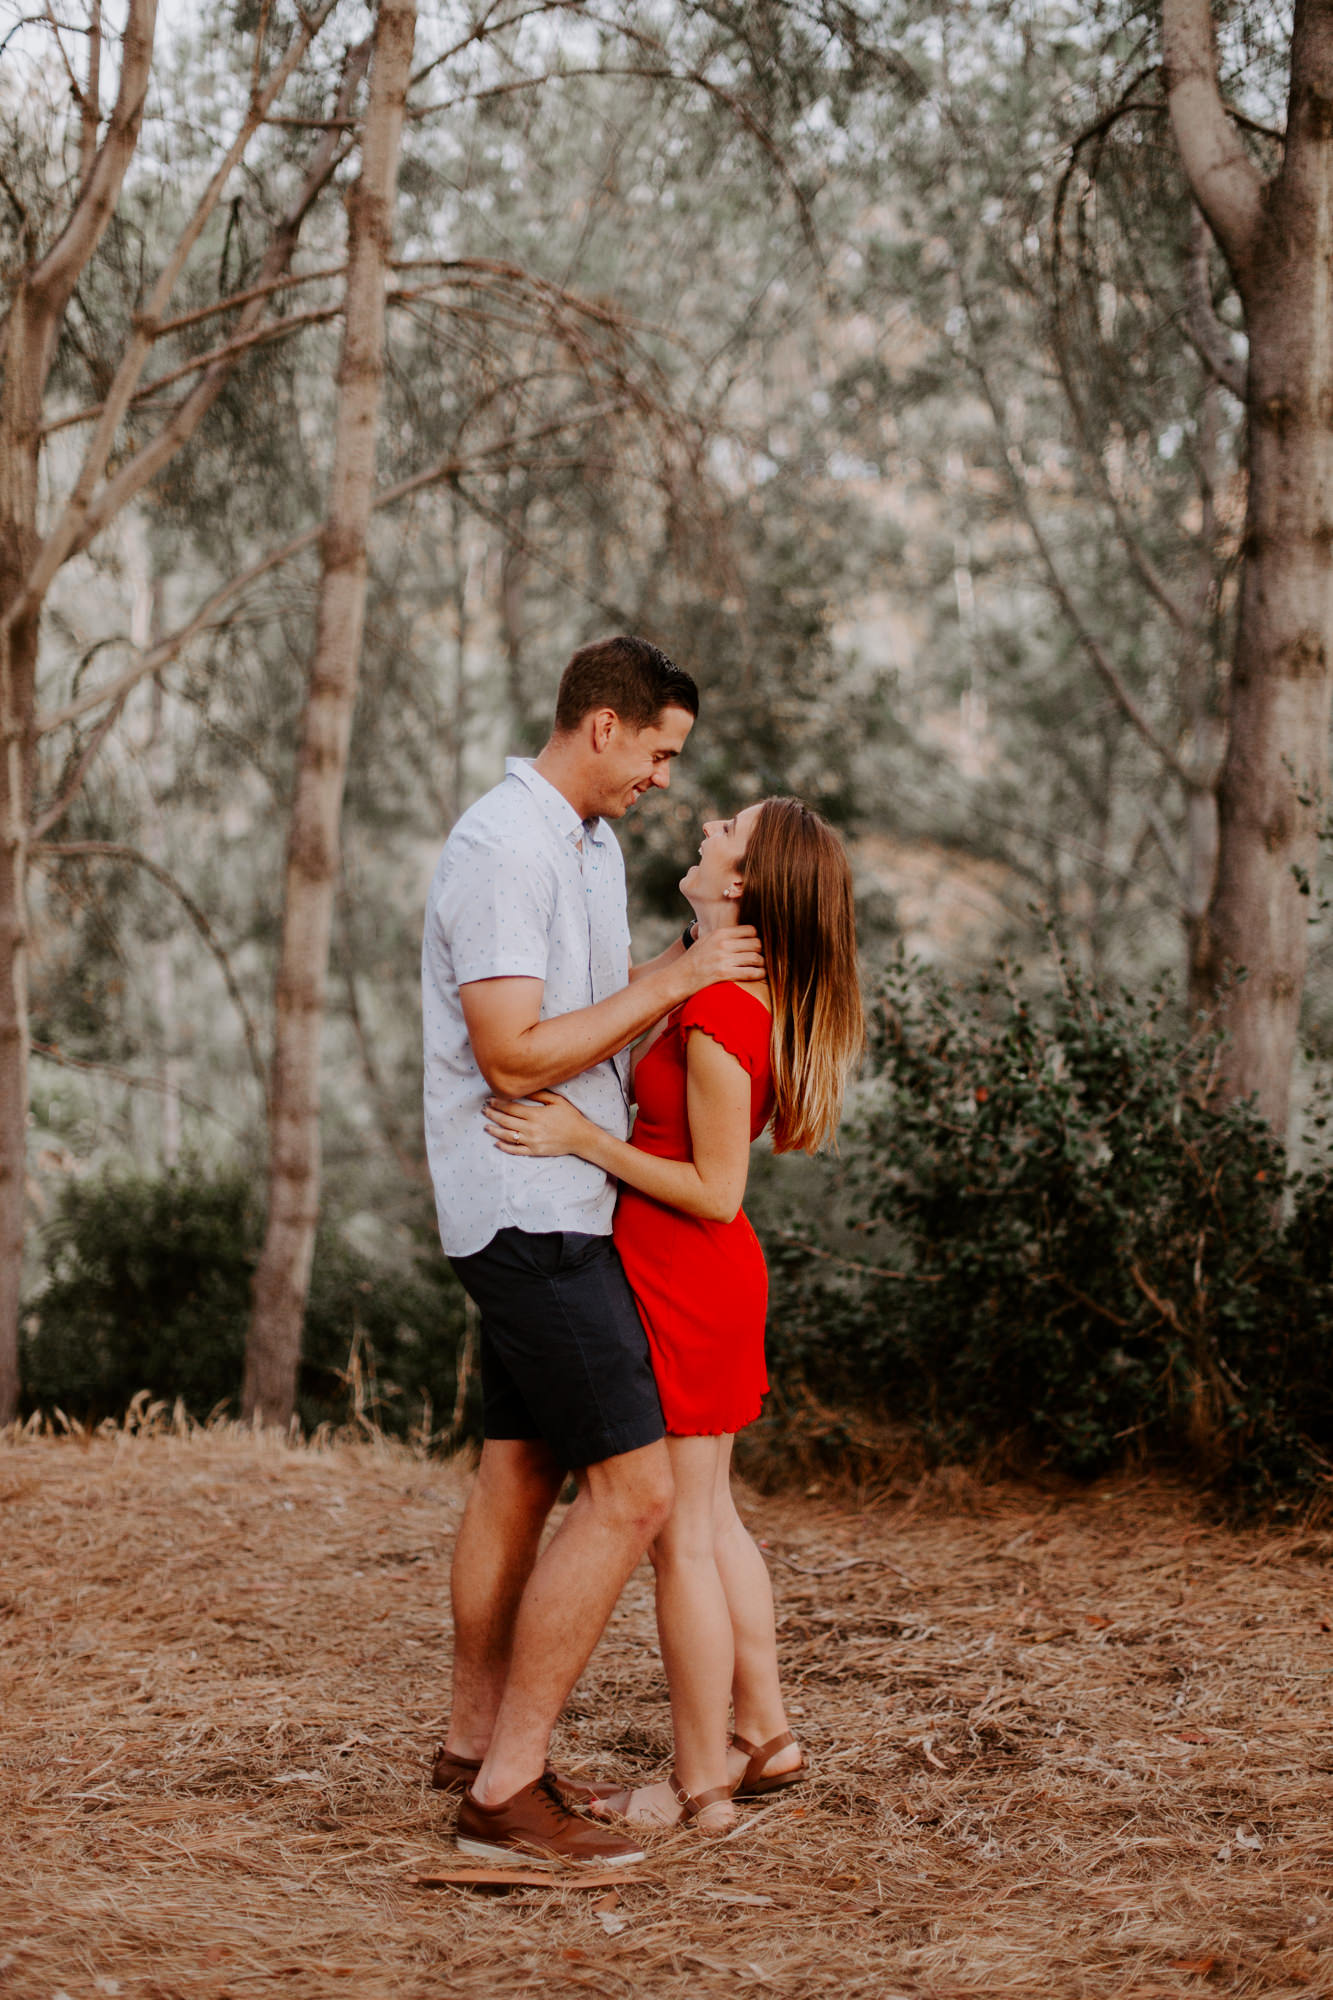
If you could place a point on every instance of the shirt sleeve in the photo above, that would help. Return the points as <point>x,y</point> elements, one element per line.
<point>735,1021</point>
<point>494,911</point>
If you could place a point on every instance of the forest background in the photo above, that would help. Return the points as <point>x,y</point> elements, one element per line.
<point>922,380</point>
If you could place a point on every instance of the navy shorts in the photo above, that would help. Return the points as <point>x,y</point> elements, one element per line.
<point>564,1356</point>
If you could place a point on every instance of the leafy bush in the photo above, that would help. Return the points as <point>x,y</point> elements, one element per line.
<point>147,1286</point>
<point>1079,1252</point>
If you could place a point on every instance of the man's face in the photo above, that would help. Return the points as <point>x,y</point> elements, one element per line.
<point>633,761</point>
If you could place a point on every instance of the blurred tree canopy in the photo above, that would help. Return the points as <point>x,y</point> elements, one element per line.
<point>877,363</point>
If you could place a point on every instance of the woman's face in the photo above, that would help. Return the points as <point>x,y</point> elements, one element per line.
<point>716,875</point>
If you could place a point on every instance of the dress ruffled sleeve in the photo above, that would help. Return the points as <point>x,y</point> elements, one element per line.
<point>735,1020</point>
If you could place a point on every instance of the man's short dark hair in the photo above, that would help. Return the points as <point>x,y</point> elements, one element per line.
<point>627,674</point>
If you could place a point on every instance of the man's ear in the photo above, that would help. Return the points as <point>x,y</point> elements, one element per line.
<point>605,723</point>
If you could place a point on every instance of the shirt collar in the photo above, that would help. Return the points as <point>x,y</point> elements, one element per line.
<point>555,807</point>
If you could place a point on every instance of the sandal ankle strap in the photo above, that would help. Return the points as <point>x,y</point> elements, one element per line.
<point>691,1804</point>
<point>759,1754</point>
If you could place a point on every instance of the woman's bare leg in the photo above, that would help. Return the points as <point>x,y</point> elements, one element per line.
<point>756,1689</point>
<point>694,1629</point>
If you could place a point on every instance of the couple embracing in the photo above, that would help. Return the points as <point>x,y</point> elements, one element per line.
<point>621,1290</point>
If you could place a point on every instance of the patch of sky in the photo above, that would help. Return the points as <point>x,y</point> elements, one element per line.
<point>820,124</point>
<point>847,465</point>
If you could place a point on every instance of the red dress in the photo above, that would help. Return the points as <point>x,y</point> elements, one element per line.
<point>701,1287</point>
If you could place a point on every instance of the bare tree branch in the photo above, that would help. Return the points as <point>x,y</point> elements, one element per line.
<point>1209,338</point>
<point>113,850</point>
<point>1155,824</point>
<point>1087,638</point>
<point>315,124</point>
<point>1226,184</point>
<point>49,1053</point>
<point>261,35</point>
<point>1153,580</point>
<point>516,539</point>
<point>20,210</point>
<point>1247,124</point>
<point>54,278</point>
<point>480,30</point>
<point>91,106</point>
<point>285,283</point>
<point>456,271</point>
<point>75,90</point>
<point>86,509</point>
<point>272,330</point>
<point>167,648</point>
<point>661,71</point>
<point>73,783</point>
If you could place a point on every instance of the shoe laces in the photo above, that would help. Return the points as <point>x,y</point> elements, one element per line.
<point>546,1783</point>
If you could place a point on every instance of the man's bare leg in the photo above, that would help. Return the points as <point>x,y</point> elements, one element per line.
<point>515,1488</point>
<point>621,1505</point>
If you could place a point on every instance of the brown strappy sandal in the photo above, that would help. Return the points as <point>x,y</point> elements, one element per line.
<point>618,1803</point>
<point>752,1784</point>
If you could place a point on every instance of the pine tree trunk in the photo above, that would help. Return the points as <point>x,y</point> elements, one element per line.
<point>28,338</point>
<point>15,786</point>
<point>20,430</point>
<point>273,1348</point>
<point>1278,241</point>
<point>1276,768</point>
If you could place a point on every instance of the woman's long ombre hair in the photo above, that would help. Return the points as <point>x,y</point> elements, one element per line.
<point>797,892</point>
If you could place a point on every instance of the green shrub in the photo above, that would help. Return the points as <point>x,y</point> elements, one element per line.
<point>147,1286</point>
<point>1079,1251</point>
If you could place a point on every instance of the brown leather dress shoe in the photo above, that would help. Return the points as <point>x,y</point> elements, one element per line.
<point>537,1825</point>
<point>452,1773</point>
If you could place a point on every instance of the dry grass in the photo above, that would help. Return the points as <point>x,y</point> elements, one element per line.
<point>1064,1748</point>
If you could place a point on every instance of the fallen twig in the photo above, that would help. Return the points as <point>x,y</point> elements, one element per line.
<point>528,1878</point>
<point>836,1569</point>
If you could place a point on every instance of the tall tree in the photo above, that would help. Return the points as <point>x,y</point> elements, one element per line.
<point>31,332</point>
<point>108,479</point>
<point>283,1274</point>
<point>1277,238</point>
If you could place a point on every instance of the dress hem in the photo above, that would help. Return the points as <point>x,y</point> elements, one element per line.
<point>715,1431</point>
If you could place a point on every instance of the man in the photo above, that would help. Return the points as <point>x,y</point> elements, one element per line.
<point>527,985</point>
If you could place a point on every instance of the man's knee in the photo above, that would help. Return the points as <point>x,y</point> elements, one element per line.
<point>635,1491</point>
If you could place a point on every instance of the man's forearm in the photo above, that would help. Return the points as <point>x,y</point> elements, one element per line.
<point>550,1052</point>
<point>674,951</point>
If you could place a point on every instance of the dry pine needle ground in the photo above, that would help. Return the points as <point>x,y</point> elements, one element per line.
<point>1062,1747</point>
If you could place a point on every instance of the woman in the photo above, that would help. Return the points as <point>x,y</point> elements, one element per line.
<point>707,1080</point>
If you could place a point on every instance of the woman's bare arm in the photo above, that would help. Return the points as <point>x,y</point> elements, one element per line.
<point>711,1185</point>
<point>520,1054</point>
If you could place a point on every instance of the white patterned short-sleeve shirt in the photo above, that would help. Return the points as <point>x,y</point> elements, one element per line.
<point>524,889</point>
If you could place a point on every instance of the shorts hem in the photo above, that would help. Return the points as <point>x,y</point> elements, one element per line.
<point>610,1444</point>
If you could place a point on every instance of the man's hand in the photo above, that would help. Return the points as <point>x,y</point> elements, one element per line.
<point>730,954</point>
